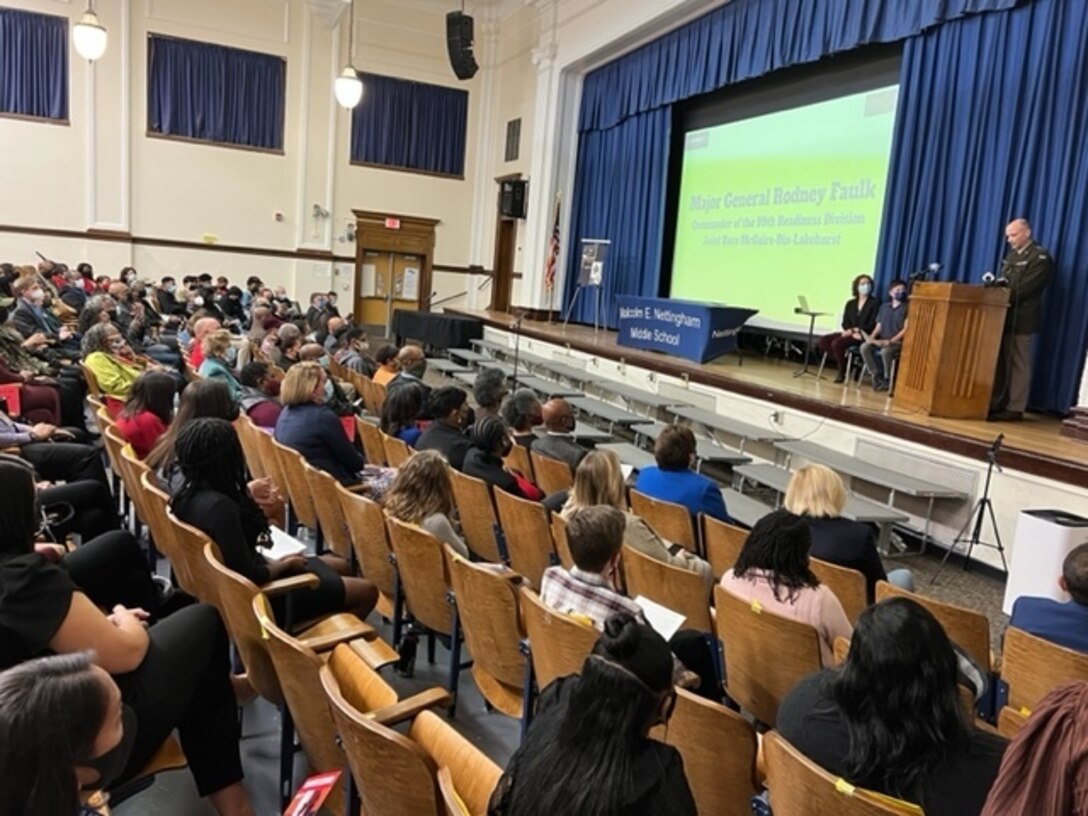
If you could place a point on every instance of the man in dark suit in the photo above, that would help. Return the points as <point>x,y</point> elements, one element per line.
<point>413,365</point>
<point>1063,623</point>
<point>31,317</point>
<point>448,408</point>
<point>557,442</point>
<point>1028,268</point>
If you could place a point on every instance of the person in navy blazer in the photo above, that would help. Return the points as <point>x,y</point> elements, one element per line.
<point>1063,623</point>
<point>673,480</point>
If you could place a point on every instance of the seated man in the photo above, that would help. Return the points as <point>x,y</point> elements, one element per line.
<point>31,316</point>
<point>673,480</point>
<point>557,442</point>
<point>887,337</point>
<point>52,451</point>
<point>1063,623</point>
<point>413,365</point>
<point>523,412</point>
<point>351,351</point>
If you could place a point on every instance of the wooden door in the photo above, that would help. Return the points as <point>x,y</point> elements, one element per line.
<point>503,278</point>
<point>407,282</point>
<point>374,287</point>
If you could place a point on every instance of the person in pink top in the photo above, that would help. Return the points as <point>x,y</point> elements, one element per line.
<point>773,569</point>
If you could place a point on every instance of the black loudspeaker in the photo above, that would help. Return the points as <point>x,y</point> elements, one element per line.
<point>512,199</point>
<point>459,38</point>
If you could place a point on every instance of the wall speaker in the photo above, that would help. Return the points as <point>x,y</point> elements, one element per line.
<point>512,198</point>
<point>459,38</point>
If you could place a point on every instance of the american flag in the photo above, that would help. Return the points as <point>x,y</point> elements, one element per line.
<point>553,252</point>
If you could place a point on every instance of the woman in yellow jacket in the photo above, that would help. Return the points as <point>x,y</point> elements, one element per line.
<point>111,360</point>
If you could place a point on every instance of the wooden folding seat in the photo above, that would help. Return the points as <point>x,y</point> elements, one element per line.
<point>298,487</point>
<point>670,521</point>
<point>968,629</point>
<point>1033,667</point>
<point>559,644</point>
<point>477,514</point>
<point>250,447</point>
<point>680,589</point>
<point>330,515</point>
<point>723,542</point>
<point>847,584</point>
<point>527,533</point>
<point>552,475</point>
<point>518,459</point>
<point>559,539</point>
<point>369,541</point>
<point>396,450</point>
<point>373,449</point>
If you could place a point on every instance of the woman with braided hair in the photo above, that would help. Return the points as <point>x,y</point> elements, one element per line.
<point>214,498</point>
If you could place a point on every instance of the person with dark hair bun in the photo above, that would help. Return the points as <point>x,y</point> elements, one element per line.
<point>773,570</point>
<point>448,408</point>
<point>891,718</point>
<point>491,443</point>
<point>588,750</point>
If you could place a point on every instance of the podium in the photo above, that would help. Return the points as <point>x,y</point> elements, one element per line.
<point>950,352</point>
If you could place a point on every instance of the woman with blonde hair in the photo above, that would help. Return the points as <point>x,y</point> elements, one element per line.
<point>817,494</point>
<point>216,365</point>
<point>422,494</point>
<point>599,480</point>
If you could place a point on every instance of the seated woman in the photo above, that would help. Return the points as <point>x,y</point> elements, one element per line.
<point>216,346</point>
<point>817,494</point>
<point>859,315</point>
<point>522,412</point>
<point>673,480</point>
<point>215,498</point>
<point>110,358</point>
<point>400,415</point>
<point>148,411</point>
<point>773,569</point>
<point>599,480</point>
<point>388,365</point>
<point>312,428</point>
<point>41,394</point>
<point>891,719</point>
<point>203,398</point>
<point>491,442</point>
<point>422,494</point>
<point>173,675</point>
<point>588,750</point>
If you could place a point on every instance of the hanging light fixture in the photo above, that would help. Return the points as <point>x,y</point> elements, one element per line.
<point>89,35</point>
<point>348,87</point>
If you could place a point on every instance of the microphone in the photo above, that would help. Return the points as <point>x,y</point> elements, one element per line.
<point>427,300</point>
<point>988,278</point>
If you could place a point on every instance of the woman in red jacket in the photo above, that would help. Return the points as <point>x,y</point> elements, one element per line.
<point>148,411</point>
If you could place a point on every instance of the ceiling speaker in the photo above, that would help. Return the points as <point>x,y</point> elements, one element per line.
<point>459,39</point>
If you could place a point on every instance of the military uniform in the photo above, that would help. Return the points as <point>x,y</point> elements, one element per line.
<point>1028,272</point>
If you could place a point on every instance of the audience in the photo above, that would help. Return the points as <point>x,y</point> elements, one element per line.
<point>52,451</point>
<point>290,344</point>
<point>673,480</point>
<point>204,398</point>
<point>817,493</point>
<point>46,393</point>
<point>589,750</point>
<point>309,426</point>
<point>448,407</point>
<point>773,569</point>
<point>523,412</point>
<point>599,480</point>
<point>31,317</point>
<point>422,494</point>
<point>201,329</point>
<point>216,364</point>
<point>891,718</point>
<point>388,365</point>
<point>147,412</point>
<point>413,365</point>
<point>1063,623</point>
<point>488,390</point>
<point>490,444</point>
<point>557,443</point>
<point>260,390</point>
<point>400,415</point>
<point>351,352</point>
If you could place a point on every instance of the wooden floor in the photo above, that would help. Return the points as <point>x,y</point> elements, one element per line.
<point>1034,445</point>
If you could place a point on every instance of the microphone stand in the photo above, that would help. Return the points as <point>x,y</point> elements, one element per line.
<point>516,326</point>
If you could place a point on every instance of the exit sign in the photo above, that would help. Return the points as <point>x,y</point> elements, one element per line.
<point>392,223</point>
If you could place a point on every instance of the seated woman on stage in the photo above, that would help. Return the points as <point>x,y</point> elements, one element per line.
<point>859,315</point>
<point>817,494</point>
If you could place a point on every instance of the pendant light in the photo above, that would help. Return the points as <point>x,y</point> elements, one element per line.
<point>89,35</point>
<point>348,87</point>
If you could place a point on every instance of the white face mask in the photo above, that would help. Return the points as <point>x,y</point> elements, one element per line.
<point>37,295</point>
<point>198,301</point>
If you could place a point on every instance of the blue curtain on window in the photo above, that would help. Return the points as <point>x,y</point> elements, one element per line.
<point>410,126</point>
<point>738,41</point>
<point>33,64</point>
<point>216,94</point>
<point>993,125</point>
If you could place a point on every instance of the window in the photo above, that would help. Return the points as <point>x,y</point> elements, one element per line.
<point>513,140</point>
<point>211,93</point>
<point>405,125</point>
<point>33,65</point>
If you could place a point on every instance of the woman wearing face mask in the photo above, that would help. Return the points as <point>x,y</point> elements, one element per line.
<point>859,315</point>
<point>174,674</point>
<point>217,364</point>
<point>491,443</point>
<point>112,361</point>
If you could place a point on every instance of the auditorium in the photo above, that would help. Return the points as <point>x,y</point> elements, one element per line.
<point>535,407</point>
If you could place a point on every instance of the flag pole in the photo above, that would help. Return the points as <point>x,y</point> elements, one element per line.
<point>553,247</point>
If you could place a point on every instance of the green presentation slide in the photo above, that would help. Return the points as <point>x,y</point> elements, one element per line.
<point>782,205</point>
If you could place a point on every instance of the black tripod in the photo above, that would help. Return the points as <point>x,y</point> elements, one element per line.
<point>983,510</point>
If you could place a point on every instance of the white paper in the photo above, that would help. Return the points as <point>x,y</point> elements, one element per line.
<point>662,620</point>
<point>283,545</point>
<point>627,470</point>
<point>410,285</point>
<point>370,277</point>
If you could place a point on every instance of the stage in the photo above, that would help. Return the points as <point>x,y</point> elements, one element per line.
<point>1034,446</point>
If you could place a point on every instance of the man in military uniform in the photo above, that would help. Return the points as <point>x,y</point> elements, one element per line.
<point>1028,269</point>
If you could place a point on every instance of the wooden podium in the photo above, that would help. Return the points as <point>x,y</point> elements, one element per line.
<point>950,352</point>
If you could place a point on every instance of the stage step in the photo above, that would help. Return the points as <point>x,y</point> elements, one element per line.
<point>609,413</point>
<point>744,509</point>
<point>706,450</point>
<point>630,455</point>
<point>548,388</point>
<point>745,430</point>
<point>445,366</point>
<point>632,393</point>
<point>468,355</point>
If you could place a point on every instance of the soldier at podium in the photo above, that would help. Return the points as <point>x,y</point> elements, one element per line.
<point>1028,269</point>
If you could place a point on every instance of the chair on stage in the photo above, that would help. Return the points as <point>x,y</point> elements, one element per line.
<point>670,521</point>
<point>527,533</point>
<point>723,542</point>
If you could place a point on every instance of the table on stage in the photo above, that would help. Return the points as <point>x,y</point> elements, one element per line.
<point>695,331</point>
<point>438,330</point>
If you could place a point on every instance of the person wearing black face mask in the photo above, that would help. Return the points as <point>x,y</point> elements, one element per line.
<point>887,337</point>
<point>491,442</point>
<point>557,443</point>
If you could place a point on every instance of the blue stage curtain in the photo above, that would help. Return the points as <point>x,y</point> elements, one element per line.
<point>33,64</point>
<point>738,41</point>
<point>993,117</point>
<point>215,94</point>
<point>410,126</point>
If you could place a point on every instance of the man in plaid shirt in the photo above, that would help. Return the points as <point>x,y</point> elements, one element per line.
<point>595,536</point>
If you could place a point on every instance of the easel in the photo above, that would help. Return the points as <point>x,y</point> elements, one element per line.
<point>591,276</point>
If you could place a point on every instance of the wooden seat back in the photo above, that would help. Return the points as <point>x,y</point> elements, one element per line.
<point>330,515</point>
<point>366,524</point>
<point>473,775</point>
<point>723,542</point>
<point>477,513</point>
<point>451,799</point>
<point>298,488</point>
<point>800,787</point>
<point>487,604</point>
<point>968,629</point>
<point>421,565</point>
<point>680,589</point>
<point>766,654</point>
<point>719,750</point>
<point>528,534</point>
<point>190,543</point>
<point>250,447</point>
<point>114,442</point>
<point>371,436</point>
<point>396,450</point>
<point>1034,667</point>
<point>270,460</point>
<point>132,468</point>
<point>670,521</point>
<point>163,531</point>
<point>92,381</point>
<point>518,459</point>
<point>378,392</point>
<point>559,643</point>
<point>1010,721</point>
<point>847,584</point>
<point>552,475</point>
<point>559,539</point>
